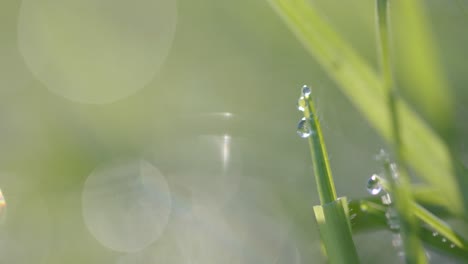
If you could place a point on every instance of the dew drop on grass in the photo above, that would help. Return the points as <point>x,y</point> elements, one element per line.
<point>396,241</point>
<point>303,128</point>
<point>386,199</point>
<point>301,104</point>
<point>394,169</point>
<point>452,245</point>
<point>392,219</point>
<point>434,234</point>
<point>306,91</point>
<point>374,186</point>
<point>444,240</point>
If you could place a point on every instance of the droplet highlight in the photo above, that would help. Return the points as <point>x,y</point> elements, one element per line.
<point>393,220</point>
<point>394,169</point>
<point>306,91</point>
<point>434,234</point>
<point>386,199</point>
<point>303,128</point>
<point>374,185</point>
<point>382,156</point>
<point>396,241</point>
<point>301,104</point>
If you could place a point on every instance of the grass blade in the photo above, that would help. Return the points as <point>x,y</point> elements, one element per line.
<point>419,65</point>
<point>335,232</point>
<point>400,182</point>
<point>333,214</point>
<point>423,149</point>
<point>318,152</point>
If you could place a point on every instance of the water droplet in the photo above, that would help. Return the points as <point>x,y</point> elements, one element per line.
<point>373,185</point>
<point>303,128</point>
<point>396,241</point>
<point>382,156</point>
<point>301,104</point>
<point>386,199</point>
<point>393,221</point>
<point>394,170</point>
<point>306,91</point>
<point>452,245</point>
<point>434,234</point>
<point>444,240</point>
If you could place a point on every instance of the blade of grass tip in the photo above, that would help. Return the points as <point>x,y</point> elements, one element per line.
<point>399,180</point>
<point>318,151</point>
<point>333,214</point>
<point>365,89</point>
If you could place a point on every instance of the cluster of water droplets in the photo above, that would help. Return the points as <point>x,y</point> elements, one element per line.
<point>303,127</point>
<point>443,239</point>
<point>375,186</point>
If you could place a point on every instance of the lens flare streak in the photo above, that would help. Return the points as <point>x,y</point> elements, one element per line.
<point>226,147</point>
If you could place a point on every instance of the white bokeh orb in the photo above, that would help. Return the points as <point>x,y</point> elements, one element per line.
<point>126,204</point>
<point>96,51</point>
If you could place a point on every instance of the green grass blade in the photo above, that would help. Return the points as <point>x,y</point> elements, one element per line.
<point>318,152</point>
<point>400,182</point>
<point>335,232</point>
<point>439,226</point>
<point>423,149</point>
<point>409,226</point>
<point>333,214</point>
<point>420,68</point>
<point>369,215</point>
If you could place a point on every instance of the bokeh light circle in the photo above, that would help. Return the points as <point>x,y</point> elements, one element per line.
<point>96,51</point>
<point>126,204</point>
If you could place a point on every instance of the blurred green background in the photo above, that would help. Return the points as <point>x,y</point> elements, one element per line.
<point>156,131</point>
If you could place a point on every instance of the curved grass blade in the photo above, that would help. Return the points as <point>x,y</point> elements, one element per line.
<point>369,215</point>
<point>423,149</point>
<point>420,67</point>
